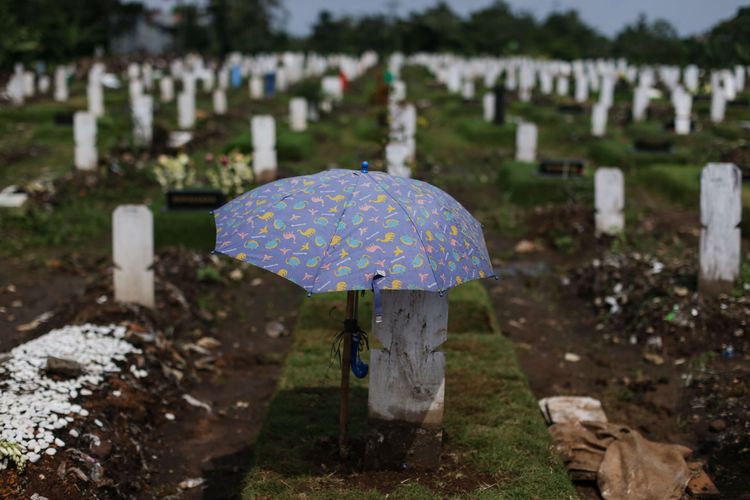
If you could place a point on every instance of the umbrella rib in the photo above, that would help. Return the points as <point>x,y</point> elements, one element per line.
<point>414,225</point>
<point>317,273</point>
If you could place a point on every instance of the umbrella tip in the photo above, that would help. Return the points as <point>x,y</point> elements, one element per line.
<point>365,167</point>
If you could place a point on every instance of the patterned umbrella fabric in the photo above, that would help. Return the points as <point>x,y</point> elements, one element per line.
<point>343,230</point>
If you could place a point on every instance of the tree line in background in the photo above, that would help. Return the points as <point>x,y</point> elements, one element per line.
<point>51,30</point>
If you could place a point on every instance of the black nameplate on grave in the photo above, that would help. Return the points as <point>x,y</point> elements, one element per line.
<point>561,167</point>
<point>571,109</point>
<point>653,145</point>
<point>195,199</point>
<point>63,118</point>
<point>740,102</point>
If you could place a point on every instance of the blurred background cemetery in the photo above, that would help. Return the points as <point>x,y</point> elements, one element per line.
<point>605,150</point>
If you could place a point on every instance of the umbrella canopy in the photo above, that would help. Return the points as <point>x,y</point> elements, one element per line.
<point>341,230</point>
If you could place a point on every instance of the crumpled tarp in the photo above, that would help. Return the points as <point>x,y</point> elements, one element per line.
<point>624,463</point>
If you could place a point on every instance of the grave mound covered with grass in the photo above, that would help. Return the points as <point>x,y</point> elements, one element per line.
<point>495,442</point>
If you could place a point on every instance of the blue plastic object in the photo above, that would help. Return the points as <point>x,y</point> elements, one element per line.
<point>359,367</point>
<point>235,76</point>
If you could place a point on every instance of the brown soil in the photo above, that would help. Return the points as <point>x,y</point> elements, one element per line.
<point>138,452</point>
<point>551,302</point>
<point>454,477</point>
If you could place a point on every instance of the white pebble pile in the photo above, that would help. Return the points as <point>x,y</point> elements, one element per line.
<point>33,405</point>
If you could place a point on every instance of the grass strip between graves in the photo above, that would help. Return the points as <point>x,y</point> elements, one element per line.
<point>491,420</point>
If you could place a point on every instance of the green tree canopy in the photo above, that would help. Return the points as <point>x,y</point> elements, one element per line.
<point>650,42</point>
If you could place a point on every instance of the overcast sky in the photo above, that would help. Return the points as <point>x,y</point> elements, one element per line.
<point>608,16</point>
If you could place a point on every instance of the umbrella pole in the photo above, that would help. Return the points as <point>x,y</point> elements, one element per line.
<point>351,314</point>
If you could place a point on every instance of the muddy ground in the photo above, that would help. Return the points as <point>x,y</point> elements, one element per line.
<point>208,338</point>
<point>662,359</point>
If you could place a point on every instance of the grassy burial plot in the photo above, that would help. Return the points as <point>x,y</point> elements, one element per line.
<point>495,446</point>
<point>78,216</point>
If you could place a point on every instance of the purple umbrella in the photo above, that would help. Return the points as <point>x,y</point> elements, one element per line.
<point>347,230</point>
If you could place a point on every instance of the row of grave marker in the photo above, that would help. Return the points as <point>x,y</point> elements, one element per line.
<point>407,386</point>
<point>263,127</point>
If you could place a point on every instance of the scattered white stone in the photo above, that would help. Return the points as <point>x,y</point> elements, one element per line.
<point>33,405</point>
<point>572,357</point>
<point>196,402</point>
<point>169,416</point>
<point>190,483</point>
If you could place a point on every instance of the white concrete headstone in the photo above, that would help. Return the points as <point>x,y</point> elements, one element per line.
<point>721,214</point>
<point>739,77</point>
<point>43,84</point>
<point>84,135</point>
<point>609,200</point>
<point>396,158</point>
<point>220,101</point>
<point>133,254</point>
<point>256,87</point>
<point>398,91</point>
<point>526,138</point>
<point>718,105</point>
<point>690,78</point>
<point>166,89</point>
<point>467,90</point>
<point>186,110</point>
<point>640,103</point>
<point>29,80</point>
<point>208,81</point>
<point>15,91</point>
<point>545,82</point>
<point>135,90</point>
<point>61,84</point>
<point>581,88</point>
<point>143,120</point>
<point>407,376</point>
<point>488,106</point>
<point>298,114</point>
<point>683,105</point>
<point>95,95</point>
<point>599,120</point>
<point>263,128</point>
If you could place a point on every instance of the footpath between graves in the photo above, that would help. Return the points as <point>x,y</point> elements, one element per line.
<point>495,441</point>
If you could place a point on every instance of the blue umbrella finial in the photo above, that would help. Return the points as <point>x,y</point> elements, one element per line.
<point>365,167</point>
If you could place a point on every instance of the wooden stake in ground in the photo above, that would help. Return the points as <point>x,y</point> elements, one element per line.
<point>133,254</point>
<point>352,301</point>
<point>721,214</point>
<point>407,381</point>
